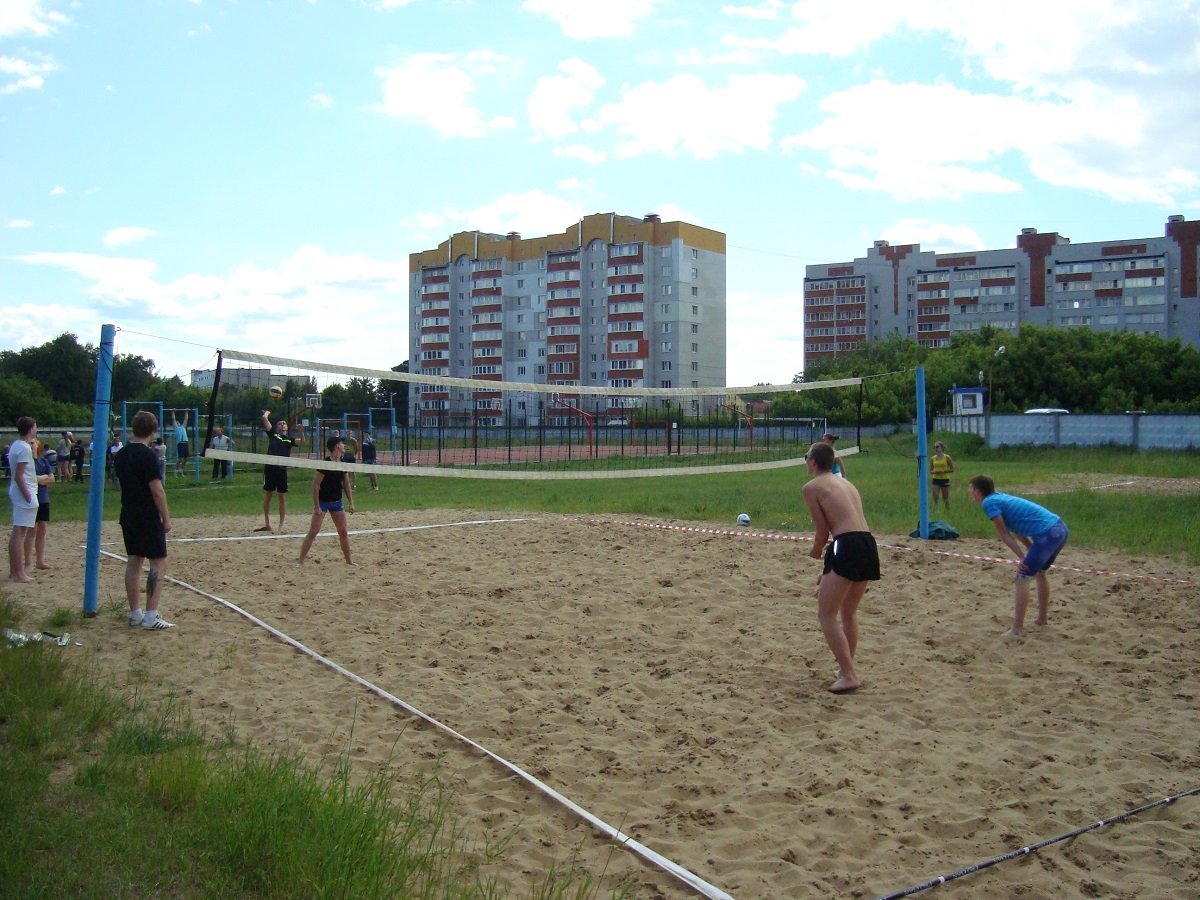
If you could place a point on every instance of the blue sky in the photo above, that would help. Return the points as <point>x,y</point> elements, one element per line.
<point>254,174</point>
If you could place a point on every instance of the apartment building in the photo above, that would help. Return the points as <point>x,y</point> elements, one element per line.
<point>1135,284</point>
<point>612,301</point>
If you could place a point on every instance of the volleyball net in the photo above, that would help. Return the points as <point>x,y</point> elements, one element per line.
<point>472,428</point>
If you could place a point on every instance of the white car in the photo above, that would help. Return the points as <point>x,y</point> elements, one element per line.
<point>1047,411</point>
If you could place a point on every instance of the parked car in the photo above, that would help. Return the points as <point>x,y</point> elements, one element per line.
<point>1047,411</point>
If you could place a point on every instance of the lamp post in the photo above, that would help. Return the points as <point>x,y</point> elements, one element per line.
<point>995,356</point>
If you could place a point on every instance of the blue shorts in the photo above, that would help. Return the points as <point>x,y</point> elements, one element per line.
<point>331,506</point>
<point>1044,549</point>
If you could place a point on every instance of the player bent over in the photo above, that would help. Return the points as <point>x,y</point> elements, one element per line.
<point>1031,532</point>
<point>851,559</point>
<point>145,521</point>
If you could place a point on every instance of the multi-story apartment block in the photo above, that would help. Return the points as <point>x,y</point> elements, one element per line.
<point>613,301</point>
<point>1136,284</point>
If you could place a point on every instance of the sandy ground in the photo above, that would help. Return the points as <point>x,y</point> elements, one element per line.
<point>672,682</point>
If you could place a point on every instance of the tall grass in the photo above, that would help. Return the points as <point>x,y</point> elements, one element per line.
<point>886,473</point>
<point>111,797</point>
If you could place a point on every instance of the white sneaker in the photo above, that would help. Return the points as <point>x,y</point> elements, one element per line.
<point>135,619</point>
<point>157,623</point>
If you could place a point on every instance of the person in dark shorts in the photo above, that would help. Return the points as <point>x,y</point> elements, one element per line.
<point>368,457</point>
<point>275,478</point>
<point>328,489</point>
<point>182,447</point>
<point>851,560</point>
<point>45,465</point>
<point>1030,531</point>
<point>145,521</point>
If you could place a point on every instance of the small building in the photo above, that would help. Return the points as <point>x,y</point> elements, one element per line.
<point>968,401</point>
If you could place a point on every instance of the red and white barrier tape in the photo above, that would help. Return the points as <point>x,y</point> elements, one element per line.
<point>776,536</point>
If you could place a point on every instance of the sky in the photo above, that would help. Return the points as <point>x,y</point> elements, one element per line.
<point>253,174</point>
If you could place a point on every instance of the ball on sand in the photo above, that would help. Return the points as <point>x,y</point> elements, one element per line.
<point>743,519</point>
<point>276,392</point>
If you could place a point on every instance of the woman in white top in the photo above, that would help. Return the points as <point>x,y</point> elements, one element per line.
<point>22,491</point>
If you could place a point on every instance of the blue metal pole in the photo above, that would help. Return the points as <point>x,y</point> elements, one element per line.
<point>104,367</point>
<point>922,454</point>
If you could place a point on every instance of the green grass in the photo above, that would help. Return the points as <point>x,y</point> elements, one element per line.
<point>104,796</point>
<point>885,473</point>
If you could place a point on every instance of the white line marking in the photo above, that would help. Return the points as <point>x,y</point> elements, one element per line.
<point>687,877</point>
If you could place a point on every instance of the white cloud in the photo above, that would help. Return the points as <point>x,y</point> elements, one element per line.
<point>117,237</point>
<point>18,223</point>
<point>587,19</point>
<point>534,212</point>
<point>1108,85</point>
<point>23,74</point>
<point>196,32</point>
<point>936,236</point>
<point>321,100</point>
<point>669,212</point>
<point>769,10</point>
<point>286,308</point>
<point>554,96</point>
<point>581,152</point>
<point>684,116</point>
<point>28,16</point>
<point>434,89</point>
<point>764,337</point>
<point>57,190</point>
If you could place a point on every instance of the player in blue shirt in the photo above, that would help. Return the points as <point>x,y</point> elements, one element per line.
<point>1032,532</point>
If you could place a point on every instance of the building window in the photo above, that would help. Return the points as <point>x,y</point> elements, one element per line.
<point>541,370</point>
<point>666,382</point>
<point>695,367</point>
<point>695,329</point>
<point>665,252</point>
<point>521,353</point>
<point>520,370</point>
<point>695,274</point>
<point>665,347</point>
<point>666,289</point>
<point>666,327</point>
<point>695,253</point>
<point>520,282</point>
<point>666,271</point>
<point>695,310</point>
<point>666,365</point>
<point>695,348</point>
<point>695,292</point>
<point>666,309</point>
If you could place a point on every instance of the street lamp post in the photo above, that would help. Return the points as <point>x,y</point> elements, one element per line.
<point>995,356</point>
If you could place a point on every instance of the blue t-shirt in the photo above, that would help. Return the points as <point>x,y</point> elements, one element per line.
<point>1020,516</point>
<point>181,435</point>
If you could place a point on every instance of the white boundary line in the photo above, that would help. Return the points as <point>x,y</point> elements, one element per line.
<point>275,537</point>
<point>684,875</point>
<point>776,536</point>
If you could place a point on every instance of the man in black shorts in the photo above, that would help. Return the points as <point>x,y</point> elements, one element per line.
<point>851,560</point>
<point>275,478</point>
<point>145,521</point>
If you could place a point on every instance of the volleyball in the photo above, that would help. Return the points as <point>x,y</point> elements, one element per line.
<point>276,392</point>
<point>743,519</point>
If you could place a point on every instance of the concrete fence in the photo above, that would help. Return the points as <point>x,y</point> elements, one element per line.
<point>1141,431</point>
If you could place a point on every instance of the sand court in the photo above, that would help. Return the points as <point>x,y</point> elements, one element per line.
<point>671,682</point>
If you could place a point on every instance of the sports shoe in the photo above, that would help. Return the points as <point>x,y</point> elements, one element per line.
<point>135,619</point>
<point>158,623</point>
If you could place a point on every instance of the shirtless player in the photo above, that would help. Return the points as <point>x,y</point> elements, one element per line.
<point>851,560</point>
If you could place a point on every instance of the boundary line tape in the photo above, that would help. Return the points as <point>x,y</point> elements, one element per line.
<point>671,868</point>
<point>778,536</point>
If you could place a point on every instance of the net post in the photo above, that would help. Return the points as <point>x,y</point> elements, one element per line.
<point>922,455</point>
<point>95,507</point>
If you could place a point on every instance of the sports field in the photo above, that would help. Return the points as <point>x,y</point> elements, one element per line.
<point>667,676</point>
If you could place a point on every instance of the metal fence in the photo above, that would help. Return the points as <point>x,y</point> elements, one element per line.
<point>1141,431</point>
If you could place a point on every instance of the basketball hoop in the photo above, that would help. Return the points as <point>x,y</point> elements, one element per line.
<point>312,401</point>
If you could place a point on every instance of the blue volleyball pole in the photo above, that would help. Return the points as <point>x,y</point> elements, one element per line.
<point>95,517</point>
<point>922,454</point>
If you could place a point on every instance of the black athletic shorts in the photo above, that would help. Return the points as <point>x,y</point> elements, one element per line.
<point>854,556</point>
<point>145,539</point>
<point>43,513</point>
<point>181,450</point>
<point>275,478</point>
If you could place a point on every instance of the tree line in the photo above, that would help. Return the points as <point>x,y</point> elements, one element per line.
<point>1076,369</point>
<point>56,384</point>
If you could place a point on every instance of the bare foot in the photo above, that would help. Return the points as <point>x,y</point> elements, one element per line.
<point>22,580</point>
<point>42,566</point>
<point>263,528</point>
<point>846,684</point>
<point>352,564</point>
<point>1012,634</point>
<point>1041,621</point>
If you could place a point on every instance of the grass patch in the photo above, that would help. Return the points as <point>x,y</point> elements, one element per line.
<point>106,797</point>
<point>885,473</point>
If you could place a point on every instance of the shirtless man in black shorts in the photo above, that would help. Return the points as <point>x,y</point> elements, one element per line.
<point>851,560</point>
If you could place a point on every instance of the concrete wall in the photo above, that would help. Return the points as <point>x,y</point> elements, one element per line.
<point>1143,431</point>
